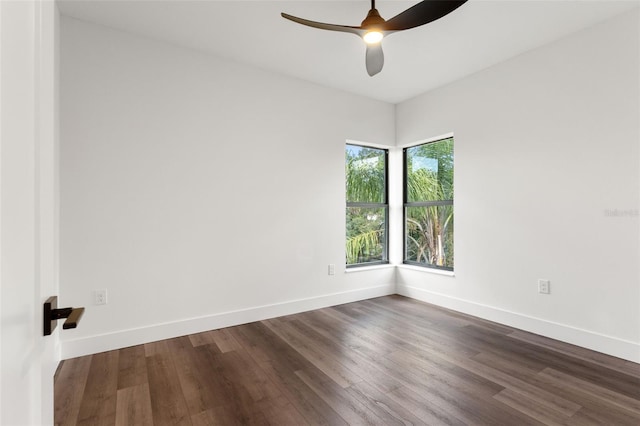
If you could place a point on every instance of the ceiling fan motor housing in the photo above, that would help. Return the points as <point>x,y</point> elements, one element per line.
<point>372,20</point>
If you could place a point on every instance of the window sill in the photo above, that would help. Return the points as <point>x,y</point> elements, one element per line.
<point>400,266</point>
<point>368,268</point>
<point>427,270</point>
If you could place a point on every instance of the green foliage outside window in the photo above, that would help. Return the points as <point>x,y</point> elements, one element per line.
<point>429,204</point>
<point>366,205</point>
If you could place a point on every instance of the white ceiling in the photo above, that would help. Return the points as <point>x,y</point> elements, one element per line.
<point>479,34</point>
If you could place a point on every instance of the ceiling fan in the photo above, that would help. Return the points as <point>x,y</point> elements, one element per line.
<point>374,28</point>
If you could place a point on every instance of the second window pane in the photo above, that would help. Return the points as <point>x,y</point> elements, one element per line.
<point>365,234</point>
<point>429,235</point>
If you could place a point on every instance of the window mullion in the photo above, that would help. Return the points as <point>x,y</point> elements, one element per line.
<point>366,205</point>
<point>429,203</point>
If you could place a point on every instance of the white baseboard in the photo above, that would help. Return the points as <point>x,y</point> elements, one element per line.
<point>587,339</point>
<point>598,342</point>
<point>122,339</point>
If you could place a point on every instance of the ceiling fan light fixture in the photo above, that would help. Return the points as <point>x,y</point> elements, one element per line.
<point>374,27</point>
<point>373,37</point>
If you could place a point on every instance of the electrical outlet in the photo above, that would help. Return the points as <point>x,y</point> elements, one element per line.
<point>332,269</point>
<point>544,286</point>
<point>100,297</point>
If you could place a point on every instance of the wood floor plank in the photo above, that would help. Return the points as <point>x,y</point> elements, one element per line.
<point>348,333</point>
<point>240,390</point>
<point>159,347</point>
<point>132,367</point>
<point>167,398</point>
<point>315,353</point>
<point>445,372</point>
<point>520,402</point>
<point>229,416</point>
<point>541,357</point>
<point>313,408</point>
<point>225,340</point>
<point>69,389</point>
<point>528,389</point>
<point>607,361</point>
<point>386,408</point>
<point>347,356</point>
<point>248,384</point>
<point>441,318</point>
<point>204,338</point>
<point>351,410</point>
<point>178,345</point>
<point>402,311</point>
<point>216,416</point>
<point>584,418</point>
<point>280,411</point>
<point>431,409</point>
<point>508,365</point>
<point>198,378</point>
<point>603,394</point>
<point>280,362</point>
<point>383,361</point>
<point>133,406</point>
<point>392,328</point>
<point>267,346</point>
<point>240,368</point>
<point>502,346</point>
<point>597,416</point>
<point>99,400</point>
<point>610,379</point>
<point>471,400</point>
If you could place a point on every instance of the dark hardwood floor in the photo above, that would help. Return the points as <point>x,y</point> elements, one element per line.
<point>385,361</point>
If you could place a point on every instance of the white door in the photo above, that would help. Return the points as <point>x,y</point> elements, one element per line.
<point>28,208</point>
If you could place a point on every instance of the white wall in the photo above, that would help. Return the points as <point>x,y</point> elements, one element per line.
<point>200,193</point>
<point>168,155</point>
<point>28,209</point>
<point>545,145</point>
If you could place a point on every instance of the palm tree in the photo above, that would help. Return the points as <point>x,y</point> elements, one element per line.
<point>365,184</point>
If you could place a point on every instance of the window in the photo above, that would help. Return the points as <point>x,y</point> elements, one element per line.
<point>428,204</point>
<point>367,205</point>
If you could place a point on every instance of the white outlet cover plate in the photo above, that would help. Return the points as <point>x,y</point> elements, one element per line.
<point>100,297</point>
<point>544,286</point>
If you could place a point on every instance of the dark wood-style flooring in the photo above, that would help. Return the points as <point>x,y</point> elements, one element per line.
<point>385,361</point>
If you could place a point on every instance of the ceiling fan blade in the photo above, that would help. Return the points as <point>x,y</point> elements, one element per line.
<point>374,59</point>
<point>331,27</point>
<point>422,13</point>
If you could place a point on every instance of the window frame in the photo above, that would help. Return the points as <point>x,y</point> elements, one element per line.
<point>384,205</point>
<point>406,204</point>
